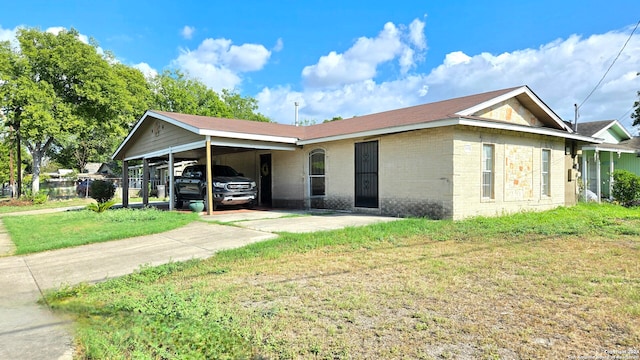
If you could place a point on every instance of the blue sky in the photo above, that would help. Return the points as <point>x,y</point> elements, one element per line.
<point>347,58</point>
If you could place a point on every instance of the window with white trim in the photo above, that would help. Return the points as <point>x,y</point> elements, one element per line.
<point>545,172</point>
<point>488,171</point>
<point>317,172</point>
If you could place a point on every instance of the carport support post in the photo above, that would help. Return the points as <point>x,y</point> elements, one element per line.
<point>209,176</point>
<point>125,183</point>
<point>145,183</point>
<point>170,180</point>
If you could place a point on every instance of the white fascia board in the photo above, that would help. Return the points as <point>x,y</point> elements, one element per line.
<point>175,149</point>
<point>157,116</point>
<point>175,122</point>
<point>249,144</point>
<point>521,90</point>
<point>384,131</point>
<point>611,124</point>
<point>247,136</point>
<point>605,148</point>
<point>135,128</point>
<point>496,100</point>
<point>452,122</point>
<point>529,130</point>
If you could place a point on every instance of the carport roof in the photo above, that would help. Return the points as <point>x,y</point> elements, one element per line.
<point>458,111</point>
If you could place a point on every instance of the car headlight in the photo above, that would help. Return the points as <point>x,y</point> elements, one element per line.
<point>253,184</point>
<point>218,184</point>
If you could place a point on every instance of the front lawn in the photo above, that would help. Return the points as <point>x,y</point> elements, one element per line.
<point>558,284</point>
<point>13,205</point>
<point>35,233</point>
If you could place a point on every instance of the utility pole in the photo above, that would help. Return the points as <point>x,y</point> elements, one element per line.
<point>575,117</point>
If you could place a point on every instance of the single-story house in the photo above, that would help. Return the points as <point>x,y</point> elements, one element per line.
<point>487,154</point>
<point>619,150</point>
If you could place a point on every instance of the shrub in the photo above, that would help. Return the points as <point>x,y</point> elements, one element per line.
<point>101,207</point>
<point>38,198</point>
<point>102,191</point>
<point>626,187</point>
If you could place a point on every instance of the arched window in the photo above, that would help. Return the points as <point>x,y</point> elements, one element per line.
<point>316,172</point>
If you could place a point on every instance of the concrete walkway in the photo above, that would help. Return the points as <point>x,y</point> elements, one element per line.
<point>31,331</point>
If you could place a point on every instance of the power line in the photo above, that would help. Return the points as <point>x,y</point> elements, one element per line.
<point>610,66</point>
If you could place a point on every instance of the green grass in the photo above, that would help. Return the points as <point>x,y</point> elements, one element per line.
<point>35,233</point>
<point>534,285</point>
<point>10,206</point>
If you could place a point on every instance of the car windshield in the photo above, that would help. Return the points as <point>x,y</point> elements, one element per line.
<point>222,170</point>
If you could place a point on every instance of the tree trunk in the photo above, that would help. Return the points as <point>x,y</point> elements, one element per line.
<point>18,163</point>
<point>37,159</point>
<point>38,150</point>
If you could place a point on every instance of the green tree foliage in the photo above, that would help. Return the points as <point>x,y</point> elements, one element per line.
<point>242,107</point>
<point>55,87</point>
<point>335,118</point>
<point>626,187</point>
<point>174,91</point>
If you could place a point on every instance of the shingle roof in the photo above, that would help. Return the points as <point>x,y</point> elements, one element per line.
<point>407,116</point>
<point>593,127</point>
<point>235,126</point>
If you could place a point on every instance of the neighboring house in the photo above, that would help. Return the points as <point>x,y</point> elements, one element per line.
<point>619,150</point>
<point>96,170</point>
<point>486,154</point>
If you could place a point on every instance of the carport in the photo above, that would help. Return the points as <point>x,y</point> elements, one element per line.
<point>173,137</point>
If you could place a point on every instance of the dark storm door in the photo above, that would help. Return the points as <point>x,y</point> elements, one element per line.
<point>265,179</point>
<point>366,173</point>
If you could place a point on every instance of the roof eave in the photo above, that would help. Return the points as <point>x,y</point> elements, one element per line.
<point>451,122</point>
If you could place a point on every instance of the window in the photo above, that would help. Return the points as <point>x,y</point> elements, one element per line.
<point>316,172</point>
<point>546,167</point>
<point>488,152</point>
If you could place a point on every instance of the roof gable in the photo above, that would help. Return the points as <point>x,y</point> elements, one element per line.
<point>612,131</point>
<point>518,105</point>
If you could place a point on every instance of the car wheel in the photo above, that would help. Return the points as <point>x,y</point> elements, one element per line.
<point>250,205</point>
<point>177,202</point>
<point>206,203</point>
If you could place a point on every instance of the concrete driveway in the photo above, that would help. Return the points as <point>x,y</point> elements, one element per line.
<point>31,331</point>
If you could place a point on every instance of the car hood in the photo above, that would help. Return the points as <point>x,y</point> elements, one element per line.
<point>228,179</point>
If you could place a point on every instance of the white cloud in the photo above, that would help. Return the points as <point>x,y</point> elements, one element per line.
<point>416,34</point>
<point>360,62</point>
<point>278,46</point>
<point>146,69</point>
<point>187,32</point>
<point>562,73</point>
<point>361,98</point>
<point>219,64</point>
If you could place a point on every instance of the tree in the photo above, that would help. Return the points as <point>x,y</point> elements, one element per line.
<point>174,91</point>
<point>55,86</point>
<point>242,107</point>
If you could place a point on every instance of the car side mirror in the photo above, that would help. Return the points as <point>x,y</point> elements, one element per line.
<point>240,174</point>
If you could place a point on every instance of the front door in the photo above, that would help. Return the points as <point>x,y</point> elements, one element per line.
<point>265,179</point>
<point>366,174</point>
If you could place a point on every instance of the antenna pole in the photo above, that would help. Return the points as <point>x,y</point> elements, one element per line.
<point>296,119</point>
